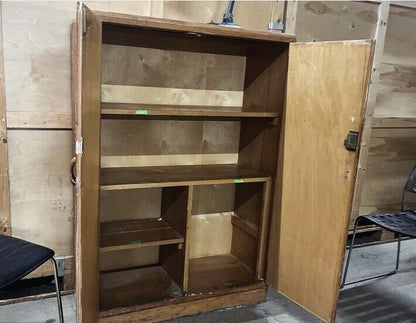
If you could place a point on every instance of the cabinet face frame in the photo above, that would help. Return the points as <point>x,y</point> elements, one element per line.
<point>87,104</point>
<point>86,91</point>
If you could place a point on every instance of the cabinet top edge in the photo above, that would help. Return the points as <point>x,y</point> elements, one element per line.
<point>335,42</point>
<point>191,27</point>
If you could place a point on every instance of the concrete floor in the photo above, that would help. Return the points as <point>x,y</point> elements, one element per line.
<point>391,299</point>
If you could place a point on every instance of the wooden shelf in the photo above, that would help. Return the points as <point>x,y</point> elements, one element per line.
<point>142,110</point>
<point>245,225</point>
<point>135,287</point>
<point>145,177</point>
<point>131,234</point>
<point>218,272</point>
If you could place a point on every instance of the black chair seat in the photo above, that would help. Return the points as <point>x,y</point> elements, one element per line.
<point>18,258</point>
<point>400,222</point>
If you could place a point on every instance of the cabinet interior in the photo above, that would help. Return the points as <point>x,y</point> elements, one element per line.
<point>190,128</point>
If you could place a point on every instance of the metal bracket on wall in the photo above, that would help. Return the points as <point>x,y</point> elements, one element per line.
<point>276,26</point>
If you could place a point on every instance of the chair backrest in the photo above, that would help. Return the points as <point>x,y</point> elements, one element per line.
<point>410,186</point>
<point>411,182</point>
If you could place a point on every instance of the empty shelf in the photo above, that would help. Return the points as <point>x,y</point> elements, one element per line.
<point>218,272</point>
<point>125,109</point>
<point>131,234</point>
<point>135,287</point>
<point>144,177</point>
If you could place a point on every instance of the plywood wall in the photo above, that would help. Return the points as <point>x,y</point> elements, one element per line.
<point>335,20</point>
<point>37,82</point>
<point>38,103</point>
<point>391,137</point>
<point>392,152</point>
<point>4,165</point>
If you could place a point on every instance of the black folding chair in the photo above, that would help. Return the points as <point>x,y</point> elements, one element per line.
<point>19,257</point>
<point>402,223</point>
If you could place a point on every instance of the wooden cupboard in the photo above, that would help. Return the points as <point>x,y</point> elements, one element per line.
<point>204,156</point>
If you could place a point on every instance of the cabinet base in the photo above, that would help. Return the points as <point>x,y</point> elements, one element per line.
<point>188,305</point>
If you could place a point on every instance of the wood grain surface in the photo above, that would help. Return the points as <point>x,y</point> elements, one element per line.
<point>318,172</point>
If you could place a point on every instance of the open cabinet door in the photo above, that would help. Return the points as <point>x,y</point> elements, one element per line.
<point>86,81</point>
<point>325,99</point>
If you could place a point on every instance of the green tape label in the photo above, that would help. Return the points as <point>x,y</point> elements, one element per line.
<point>238,180</point>
<point>228,284</point>
<point>136,242</point>
<point>142,112</point>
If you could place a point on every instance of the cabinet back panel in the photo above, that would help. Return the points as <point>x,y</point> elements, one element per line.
<point>138,66</point>
<point>209,199</point>
<point>129,258</point>
<point>210,234</point>
<point>160,76</point>
<point>138,143</point>
<point>190,42</point>
<point>130,204</point>
<point>168,137</point>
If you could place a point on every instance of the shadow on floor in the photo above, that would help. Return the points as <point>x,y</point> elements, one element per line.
<point>369,303</point>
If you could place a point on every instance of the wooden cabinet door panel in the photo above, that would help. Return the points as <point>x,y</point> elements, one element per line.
<point>325,99</point>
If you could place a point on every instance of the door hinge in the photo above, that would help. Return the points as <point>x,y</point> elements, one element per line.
<point>79,146</point>
<point>84,20</point>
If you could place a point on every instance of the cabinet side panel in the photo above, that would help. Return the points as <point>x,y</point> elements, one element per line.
<point>88,168</point>
<point>326,91</point>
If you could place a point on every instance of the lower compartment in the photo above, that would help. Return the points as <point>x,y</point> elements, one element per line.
<point>135,287</point>
<point>183,253</point>
<point>189,305</point>
<point>214,273</point>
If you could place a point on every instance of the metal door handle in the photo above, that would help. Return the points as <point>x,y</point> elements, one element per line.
<point>351,142</point>
<point>72,175</point>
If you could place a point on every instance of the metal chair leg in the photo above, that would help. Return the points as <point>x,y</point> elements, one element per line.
<point>399,240</point>
<point>373,277</point>
<point>349,252</point>
<point>58,292</point>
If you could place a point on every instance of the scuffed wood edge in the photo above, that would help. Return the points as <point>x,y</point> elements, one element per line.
<point>405,4</point>
<point>188,238</point>
<point>394,122</point>
<point>5,227</point>
<point>380,35</point>
<point>33,297</point>
<point>76,89</point>
<point>267,189</point>
<point>188,305</point>
<point>291,8</point>
<point>36,120</point>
